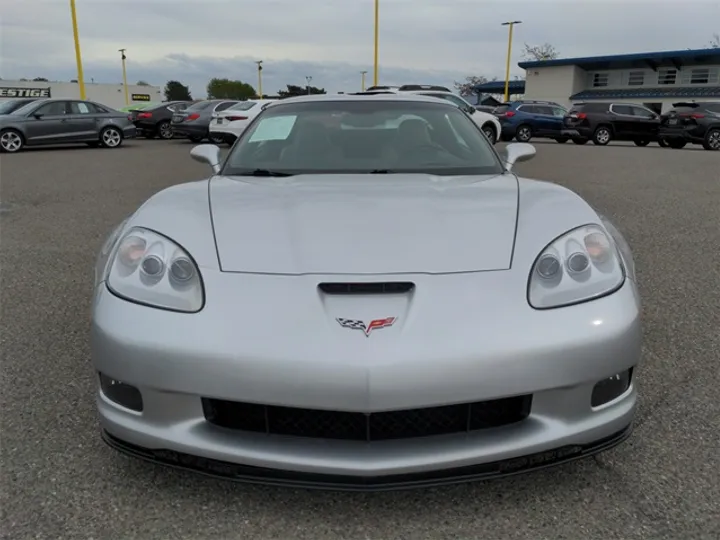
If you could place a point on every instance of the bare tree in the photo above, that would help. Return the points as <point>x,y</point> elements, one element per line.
<point>467,88</point>
<point>715,41</point>
<point>540,52</point>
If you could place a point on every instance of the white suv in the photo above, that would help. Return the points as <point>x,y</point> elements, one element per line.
<point>486,121</point>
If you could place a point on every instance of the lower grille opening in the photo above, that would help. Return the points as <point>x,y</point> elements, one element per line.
<point>383,287</point>
<point>353,426</point>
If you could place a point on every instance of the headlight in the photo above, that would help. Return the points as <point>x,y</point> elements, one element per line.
<point>580,265</point>
<point>150,269</point>
<point>102,259</point>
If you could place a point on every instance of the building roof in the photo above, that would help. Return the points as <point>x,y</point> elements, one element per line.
<point>498,87</point>
<point>650,93</point>
<point>619,61</point>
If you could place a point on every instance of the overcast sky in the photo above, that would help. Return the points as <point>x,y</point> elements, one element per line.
<point>421,41</point>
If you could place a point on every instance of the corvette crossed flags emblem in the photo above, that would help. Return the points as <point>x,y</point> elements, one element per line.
<point>376,324</point>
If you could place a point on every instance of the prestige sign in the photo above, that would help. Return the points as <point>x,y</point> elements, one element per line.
<point>140,97</point>
<point>13,92</point>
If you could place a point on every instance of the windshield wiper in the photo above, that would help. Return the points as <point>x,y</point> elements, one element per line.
<point>265,172</point>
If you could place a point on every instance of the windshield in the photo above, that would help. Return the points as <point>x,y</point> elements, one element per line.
<point>7,107</point>
<point>368,136</point>
<point>242,106</point>
<point>25,109</point>
<point>200,105</point>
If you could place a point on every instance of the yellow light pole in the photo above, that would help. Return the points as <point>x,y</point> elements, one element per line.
<point>362,81</point>
<point>511,24</point>
<point>259,64</point>
<point>377,40</point>
<point>122,53</point>
<point>78,57</point>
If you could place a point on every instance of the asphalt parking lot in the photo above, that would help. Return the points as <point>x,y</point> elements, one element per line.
<point>60,481</point>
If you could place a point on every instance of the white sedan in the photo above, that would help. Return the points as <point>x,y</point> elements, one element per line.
<point>227,125</point>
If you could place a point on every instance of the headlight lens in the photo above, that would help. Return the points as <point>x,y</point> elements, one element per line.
<point>150,269</point>
<point>580,265</point>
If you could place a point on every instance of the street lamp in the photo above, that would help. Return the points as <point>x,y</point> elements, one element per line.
<point>259,65</point>
<point>122,56</point>
<point>362,80</point>
<point>309,80</point>
<point>78,57</point>
<point>377,35</point>
<point>511,24</point>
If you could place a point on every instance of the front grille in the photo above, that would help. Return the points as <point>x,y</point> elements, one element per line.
<point>380,426</point>
<point>378,287</point>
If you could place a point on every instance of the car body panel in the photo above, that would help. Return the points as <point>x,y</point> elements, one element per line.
<point>183,124</point>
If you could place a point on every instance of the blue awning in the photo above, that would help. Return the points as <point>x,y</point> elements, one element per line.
<point>619,61</point>
<point>498,87</point>
<point>650,93</point>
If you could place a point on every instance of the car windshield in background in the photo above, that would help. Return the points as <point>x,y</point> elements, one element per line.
<point>357,137</point>
<point>25,109</point>
<point>242,106</point>
<point>199,106</point>
<point>500,109</point>
<point>7,107</point>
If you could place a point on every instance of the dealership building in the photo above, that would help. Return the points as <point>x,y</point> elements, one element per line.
<point>111,95</point>
<point>656,79</point>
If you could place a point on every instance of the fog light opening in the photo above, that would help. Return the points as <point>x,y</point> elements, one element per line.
<point>611,388</point>
<point>121,393</point>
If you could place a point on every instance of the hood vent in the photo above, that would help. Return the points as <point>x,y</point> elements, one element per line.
<point>380,287</point>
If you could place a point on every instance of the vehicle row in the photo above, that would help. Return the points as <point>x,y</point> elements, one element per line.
<point>604,122</point>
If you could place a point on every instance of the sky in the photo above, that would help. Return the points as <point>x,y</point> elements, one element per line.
<point>421,41</point>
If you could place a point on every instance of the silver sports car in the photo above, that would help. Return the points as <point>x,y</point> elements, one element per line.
<point>365,296</point>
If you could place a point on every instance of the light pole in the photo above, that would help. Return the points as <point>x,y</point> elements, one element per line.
<point>362,80</point>
<point>511,24</point>
<point>309,80</point>
<point>259,65</point>
<point>78,56</point>
<point>122,56</point>
<point>377,40</point>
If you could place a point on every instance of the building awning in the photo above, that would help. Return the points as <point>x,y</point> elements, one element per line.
<point>649,93</point>
<point>694,57</point>
<point>498,87</point>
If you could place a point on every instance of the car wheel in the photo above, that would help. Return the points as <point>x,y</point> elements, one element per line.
<point>196,138</point>
<point>602,136</point>
<point>561,140</point>
<point>165,130</point>
<point>642,143</point>
<point>217,139</point>
<point>663,143</point>
<point>580,141</point>
<point>11,141</point>
<point>712,140</point>
<point>523,133</point>
<point>489,132</point>
<point>110,137</point>
<point>677,144</point>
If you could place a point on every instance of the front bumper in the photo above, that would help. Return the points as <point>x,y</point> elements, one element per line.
<point>691,135</point>
<point>229,353</point>
<point>130,132</point>
<point>190,129</point>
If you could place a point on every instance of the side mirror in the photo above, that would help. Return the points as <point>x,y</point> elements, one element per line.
<point>38,116</point>
<point>517,153</point>
<point>207,153</point>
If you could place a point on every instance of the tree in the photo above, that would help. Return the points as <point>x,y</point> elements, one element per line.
<point>467,88</point>
<point>142,83</point>
<point>540,53</point>
<point>176,91</point>
<point>227,89</point>
<point>715,41</point>
<point>295,90</point>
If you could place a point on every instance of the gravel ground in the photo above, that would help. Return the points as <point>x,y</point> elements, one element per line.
<point>60,481</point>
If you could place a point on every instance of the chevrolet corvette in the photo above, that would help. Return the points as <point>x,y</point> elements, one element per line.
<point>365,296</point>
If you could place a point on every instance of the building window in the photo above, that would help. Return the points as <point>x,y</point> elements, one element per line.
<point>667,75</point>
<point>700,76</point>
<point>600,79</point>
<point>636,78</point>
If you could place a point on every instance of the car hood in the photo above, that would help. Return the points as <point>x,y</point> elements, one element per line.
<point>361,224</point>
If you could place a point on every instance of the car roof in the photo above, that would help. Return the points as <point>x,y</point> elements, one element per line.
<point>366,96</point>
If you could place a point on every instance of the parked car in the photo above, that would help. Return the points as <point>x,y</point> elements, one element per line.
<point>194,122</point>
<point>139,106</point>
<point>155,120</point>
<point>523,120</point>
<point>227,125</point>
<point>605,122</point>
<point>394,308</point>
<point>486,121</point>
<point>694,123</point>
<point>10,105</point>
<point>64,121</point>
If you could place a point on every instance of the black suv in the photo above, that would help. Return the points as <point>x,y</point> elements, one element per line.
<point>695,123</point>
<point>605,122</point>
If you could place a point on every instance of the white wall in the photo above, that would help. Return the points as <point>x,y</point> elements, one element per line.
<point>111,95</point>
<point>555,83</point>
